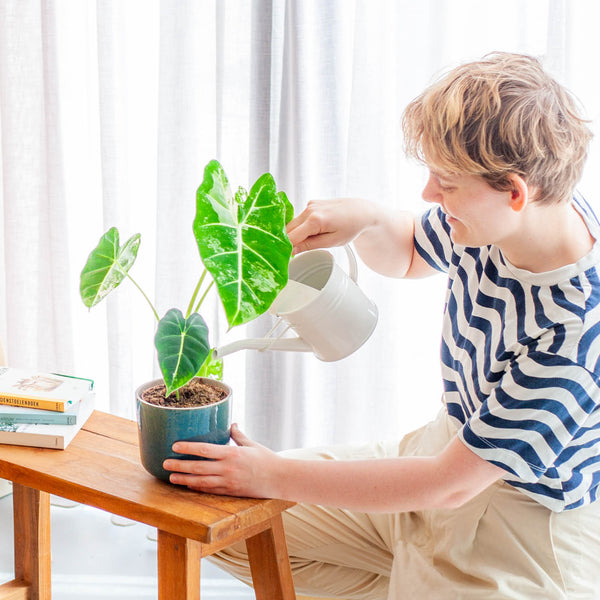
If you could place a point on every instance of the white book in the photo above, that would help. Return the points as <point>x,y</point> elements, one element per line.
<point>47,436</point>
<point>47,391</point>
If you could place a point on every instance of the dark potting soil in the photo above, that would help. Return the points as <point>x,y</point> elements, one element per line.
<point>195,393</point>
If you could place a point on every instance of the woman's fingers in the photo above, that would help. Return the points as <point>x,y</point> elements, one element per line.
<point>207,484</point>
<point>328,223</point>
<point>305,228</point>
<point>325,240</point>
<point>201,449</point>
<point>240,438</point>
<point>195,467</point>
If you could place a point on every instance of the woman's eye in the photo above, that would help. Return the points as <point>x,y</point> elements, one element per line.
<point>447,188</point>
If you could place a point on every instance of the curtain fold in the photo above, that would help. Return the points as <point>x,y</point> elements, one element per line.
<point>109,111</point>
<point>53,255</point>
<point>114,173</point>
<point>35,262</point>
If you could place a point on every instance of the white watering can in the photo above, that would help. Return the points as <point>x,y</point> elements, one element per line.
<point>323,305</point>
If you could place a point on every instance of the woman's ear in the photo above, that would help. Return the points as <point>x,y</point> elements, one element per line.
<point>519,193</point>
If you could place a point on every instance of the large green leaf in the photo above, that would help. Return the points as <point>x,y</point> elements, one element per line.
<point>243,242</point>
<point>182,346</point>
<point>107,266</point>
<point>212,367</point>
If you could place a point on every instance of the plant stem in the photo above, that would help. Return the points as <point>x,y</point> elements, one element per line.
<point>143,294</point>
<point>204,295</point>
<point>191,305</point>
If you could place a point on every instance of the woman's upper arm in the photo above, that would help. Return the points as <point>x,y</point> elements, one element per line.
<point>419,267</point>
<point>464,473</point>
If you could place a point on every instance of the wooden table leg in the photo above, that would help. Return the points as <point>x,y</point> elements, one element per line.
<point>178,567</point>
<point>31,510</point>
<point>270,564</point>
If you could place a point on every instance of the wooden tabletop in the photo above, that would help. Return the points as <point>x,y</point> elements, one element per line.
<point>101,467</point>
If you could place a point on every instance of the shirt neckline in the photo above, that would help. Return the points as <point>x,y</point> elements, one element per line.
<point>565,272</point>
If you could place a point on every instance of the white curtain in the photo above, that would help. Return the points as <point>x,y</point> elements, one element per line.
<point>109,111</point>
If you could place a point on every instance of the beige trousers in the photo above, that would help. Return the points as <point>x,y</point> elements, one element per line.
<point>500,544</point>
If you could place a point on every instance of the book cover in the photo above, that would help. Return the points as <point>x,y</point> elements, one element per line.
<point>47,391</point>
<point>47,436</point>
<point>10,415</point>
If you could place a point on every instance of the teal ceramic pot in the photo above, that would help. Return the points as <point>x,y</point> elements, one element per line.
<point>159,427</point>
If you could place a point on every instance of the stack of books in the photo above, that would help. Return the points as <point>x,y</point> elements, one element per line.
<point>45,410</point>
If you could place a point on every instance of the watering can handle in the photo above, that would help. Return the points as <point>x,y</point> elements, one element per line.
<point>352,264</point>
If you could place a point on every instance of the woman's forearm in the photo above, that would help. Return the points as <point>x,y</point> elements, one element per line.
<point>381,485</point>
<point>383,238</point>
<point>389,484</point>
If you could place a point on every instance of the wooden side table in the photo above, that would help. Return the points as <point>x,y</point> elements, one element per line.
<point>101,468</point>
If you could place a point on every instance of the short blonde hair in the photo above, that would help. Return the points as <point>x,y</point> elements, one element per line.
<point>500,115</point>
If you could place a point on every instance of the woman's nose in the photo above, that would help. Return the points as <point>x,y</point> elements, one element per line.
<point>431,192</point>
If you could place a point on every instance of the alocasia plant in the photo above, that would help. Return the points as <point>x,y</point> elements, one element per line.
<point>244,247</point>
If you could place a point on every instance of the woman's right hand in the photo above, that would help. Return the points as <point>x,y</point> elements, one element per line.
<point>328,223</point>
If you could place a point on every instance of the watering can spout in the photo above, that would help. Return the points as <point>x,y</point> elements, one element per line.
<point>294,344</point>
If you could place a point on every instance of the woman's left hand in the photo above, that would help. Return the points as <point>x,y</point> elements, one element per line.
<point>246,469</point>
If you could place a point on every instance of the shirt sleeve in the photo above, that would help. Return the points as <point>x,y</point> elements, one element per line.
<point>432,239</point>
<point>542,404</point>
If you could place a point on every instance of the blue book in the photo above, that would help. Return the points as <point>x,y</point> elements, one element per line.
<point>10,415</point>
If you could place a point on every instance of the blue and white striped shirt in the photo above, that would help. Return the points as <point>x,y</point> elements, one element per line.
<point>521,362</point>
